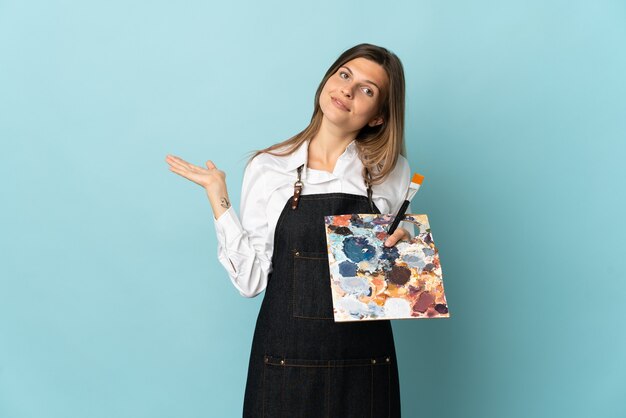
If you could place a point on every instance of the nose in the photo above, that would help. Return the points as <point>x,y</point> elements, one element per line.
<point>347,90</point>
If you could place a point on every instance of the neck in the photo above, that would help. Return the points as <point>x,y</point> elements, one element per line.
<point>328,144</point>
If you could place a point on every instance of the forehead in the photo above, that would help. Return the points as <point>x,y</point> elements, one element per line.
<point>368,70</point>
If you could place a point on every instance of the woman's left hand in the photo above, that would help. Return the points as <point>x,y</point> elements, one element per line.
<point>398,235</point>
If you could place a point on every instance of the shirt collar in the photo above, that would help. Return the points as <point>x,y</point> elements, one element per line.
<point>301,155</point>
<point>298,157</point>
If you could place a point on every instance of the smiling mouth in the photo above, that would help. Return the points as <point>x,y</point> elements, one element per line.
<point>338,104</point>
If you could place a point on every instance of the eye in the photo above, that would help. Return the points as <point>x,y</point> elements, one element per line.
<point>368,91</point>
<point>341,73</point>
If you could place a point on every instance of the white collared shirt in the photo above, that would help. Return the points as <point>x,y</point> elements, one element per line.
<point>245,243</point>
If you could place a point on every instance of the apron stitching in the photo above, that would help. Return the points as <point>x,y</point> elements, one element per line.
<point>293,286</point>
<point>372,392</point>
<point>323,365</point>
<point>293,298</point>
<point>332,194</point>
<point>263,386</point>
<point>313,317</point>
<point>389,391</point>
<point>328,396</point>
<point>282,389</point>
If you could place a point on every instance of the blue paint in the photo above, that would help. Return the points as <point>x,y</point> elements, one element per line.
<point>390,253</point>
<point>375,311</point>
<point>359,310</point>
<point>414,260</point>
<point>358,249</point>
<point>347,269</point>
<point>357,286</point>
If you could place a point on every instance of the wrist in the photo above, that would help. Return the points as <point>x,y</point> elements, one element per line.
<point>220,202</point>
<point>216,190</point>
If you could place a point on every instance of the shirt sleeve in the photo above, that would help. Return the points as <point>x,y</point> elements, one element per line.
<point>241,243</point>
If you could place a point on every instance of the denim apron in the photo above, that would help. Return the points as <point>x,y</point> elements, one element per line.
<point>302,362</point>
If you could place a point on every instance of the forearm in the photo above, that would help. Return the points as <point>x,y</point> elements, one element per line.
<point>247,269</point>
<point>246,263</point>
<point>244,252</point>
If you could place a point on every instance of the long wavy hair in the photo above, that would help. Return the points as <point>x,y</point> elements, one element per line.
<point>378,146</point>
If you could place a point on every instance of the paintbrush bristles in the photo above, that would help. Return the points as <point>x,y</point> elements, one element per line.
<point>416,182</point>
<point>417,178</point>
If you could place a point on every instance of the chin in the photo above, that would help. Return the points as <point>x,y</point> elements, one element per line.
<point>337,121</point>
<point>333,114</point>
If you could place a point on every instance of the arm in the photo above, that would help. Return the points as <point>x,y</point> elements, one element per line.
<point>242,243</point>
<point>241,249</point>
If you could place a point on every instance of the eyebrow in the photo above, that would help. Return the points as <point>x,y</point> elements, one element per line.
<point>367,81</point>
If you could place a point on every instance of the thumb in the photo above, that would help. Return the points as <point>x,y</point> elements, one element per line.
<point>210,165</point>
<point>393,239</point>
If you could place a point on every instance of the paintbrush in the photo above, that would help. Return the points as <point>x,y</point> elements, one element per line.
<point>416,182</point>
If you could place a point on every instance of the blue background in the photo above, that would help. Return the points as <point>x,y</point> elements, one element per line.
<point>112,300</point>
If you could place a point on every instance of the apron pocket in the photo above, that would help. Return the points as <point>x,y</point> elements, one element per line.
<point>337,388</point>
<point>311,285</point>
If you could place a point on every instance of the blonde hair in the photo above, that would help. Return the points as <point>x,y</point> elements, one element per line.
<point>378,146</point>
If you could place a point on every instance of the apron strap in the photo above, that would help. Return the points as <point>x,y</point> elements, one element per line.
<point>368,183</point>
<point>297,189</point>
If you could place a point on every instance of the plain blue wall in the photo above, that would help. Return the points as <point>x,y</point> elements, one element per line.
<point>112,300</point>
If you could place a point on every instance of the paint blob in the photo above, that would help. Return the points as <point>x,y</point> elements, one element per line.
<point>398,275</point>
<point>347,269</point>
<point>358,249</point>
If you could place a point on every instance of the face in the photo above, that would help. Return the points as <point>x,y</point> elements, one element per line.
<point>351,97</point>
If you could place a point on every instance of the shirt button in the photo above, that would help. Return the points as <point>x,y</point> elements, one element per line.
<point>387,360</point>
<point>282,362</point>
<point>373,361</point>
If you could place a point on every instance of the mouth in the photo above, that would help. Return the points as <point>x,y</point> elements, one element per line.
<point>339,104</point>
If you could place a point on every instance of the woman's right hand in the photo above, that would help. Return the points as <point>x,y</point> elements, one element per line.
<point>211,178</point>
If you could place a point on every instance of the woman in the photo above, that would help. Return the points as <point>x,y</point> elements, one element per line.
<point>350,159</point>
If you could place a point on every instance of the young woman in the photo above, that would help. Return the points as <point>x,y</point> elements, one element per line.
<point>350,159</point>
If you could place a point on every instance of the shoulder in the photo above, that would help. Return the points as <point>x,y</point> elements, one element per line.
<point>402,163</point>
<point>262,164</point>
<point>394,186</point>
<point>401,172</point>
<point>273,171</point>
<point>266,161</point>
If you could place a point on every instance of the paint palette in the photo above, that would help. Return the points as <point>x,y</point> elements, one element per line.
<point>372,282</point>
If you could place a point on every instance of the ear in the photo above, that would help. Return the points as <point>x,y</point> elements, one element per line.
<point>376,121</point>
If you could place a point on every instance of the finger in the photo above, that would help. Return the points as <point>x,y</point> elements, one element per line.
<point>403,234</point>
<point>390,241</point>
<point>210,165</point>
<point>180,162</point>
<point>173,160</point>
<point>184,165</point>
<point>178,171</point>
<point>175,163</point>
<point>183,173</point>
<point>398,235</point>
<point>171,157</point>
